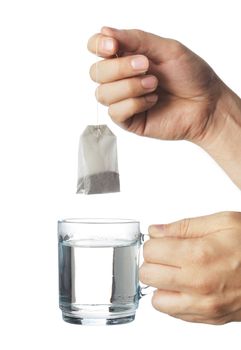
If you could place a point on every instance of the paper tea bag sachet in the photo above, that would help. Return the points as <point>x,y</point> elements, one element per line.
<point>97,161</point>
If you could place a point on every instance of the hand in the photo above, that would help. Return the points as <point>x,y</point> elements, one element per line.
<point>177,88</point>
<point>159,88</point>
<point>195,264</point>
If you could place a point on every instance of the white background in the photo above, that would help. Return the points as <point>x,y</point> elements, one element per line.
<point>46,99</point>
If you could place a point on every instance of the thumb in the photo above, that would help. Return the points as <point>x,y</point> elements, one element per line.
<point>193,227</point>
<point>139,42</point>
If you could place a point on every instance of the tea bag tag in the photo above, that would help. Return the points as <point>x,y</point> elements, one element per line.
<point>97,161</point>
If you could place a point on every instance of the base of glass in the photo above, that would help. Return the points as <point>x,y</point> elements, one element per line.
<point>98,321</point>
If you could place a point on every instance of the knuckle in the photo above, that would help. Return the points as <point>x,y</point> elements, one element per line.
<point>202,287</point>
<point>147,250</point>
<point>92,72</point>
<point>139,33</point>
<point>101,97</point>
<point>141,37</point>
<point>184,227</point>
<point>112,113</point>
<point>176,43</point>
<point>155,301</point>
<point>202,255</point>
<point>89,44</point>
<point>130,88</point>
<point>144,273</point>
<point>214,308</point>
<point>133,105</point>
<point>232,217</point>
<point>177,46</point>
<point>205,286</point>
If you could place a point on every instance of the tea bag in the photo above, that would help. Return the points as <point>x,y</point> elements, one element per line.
<point>97,161</point>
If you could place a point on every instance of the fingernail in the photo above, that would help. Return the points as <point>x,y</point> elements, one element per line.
<point>149,82</point>
<point>108,45</point>
<point>139,63</point>
<point>151,98</point>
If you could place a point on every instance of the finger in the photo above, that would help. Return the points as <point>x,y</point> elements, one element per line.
<point>169,251</point>
<point>185,305</point>
<point>172,303</point>
<point>110,93</point>
<point>121,111</point>
<point>163,277</point>
<point>102,45</point>
<point>157,48</point>
<point>113,69</point>
<point>202,319</point>
<point>194,227</point>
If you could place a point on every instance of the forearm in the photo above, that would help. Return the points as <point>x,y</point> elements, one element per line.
<point>224,140</point>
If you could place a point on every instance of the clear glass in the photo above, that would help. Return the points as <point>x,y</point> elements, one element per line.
<point>98,270</point>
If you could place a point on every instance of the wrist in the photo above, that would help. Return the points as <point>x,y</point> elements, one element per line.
<point>223,137</point>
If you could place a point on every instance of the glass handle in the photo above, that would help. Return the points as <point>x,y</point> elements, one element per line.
<point>143,237</point>
<point>145,289</point>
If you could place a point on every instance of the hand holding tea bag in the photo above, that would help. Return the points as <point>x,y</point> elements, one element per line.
<point>97,161</point>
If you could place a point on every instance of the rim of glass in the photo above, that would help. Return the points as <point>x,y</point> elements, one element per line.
<point>97,221</point>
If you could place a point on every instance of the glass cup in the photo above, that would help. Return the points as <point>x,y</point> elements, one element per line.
<point>98,270</point>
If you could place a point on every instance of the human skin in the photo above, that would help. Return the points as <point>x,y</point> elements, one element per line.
<point>195,264</point>
<point>157,87</point>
